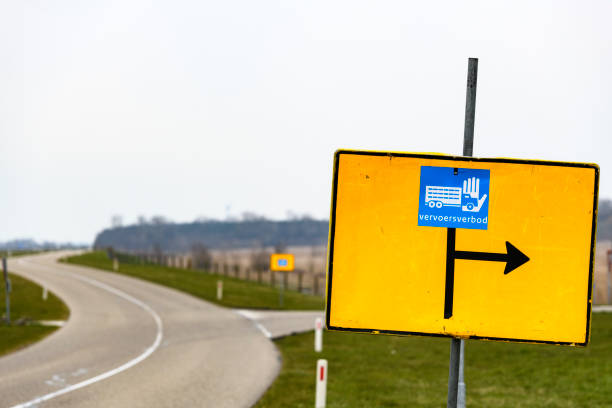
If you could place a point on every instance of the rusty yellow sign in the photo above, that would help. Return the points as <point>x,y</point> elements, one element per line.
<point>282,262</point>
<point>496,249</point>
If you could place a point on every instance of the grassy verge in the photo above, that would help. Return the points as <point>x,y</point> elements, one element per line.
<point>28,307</point>
<point>19,252</point>
<point>17,337</point>
<point>384,371</point>
<point>236,292</point>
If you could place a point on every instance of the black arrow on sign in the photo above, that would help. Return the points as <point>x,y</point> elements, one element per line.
<point>513,259</point>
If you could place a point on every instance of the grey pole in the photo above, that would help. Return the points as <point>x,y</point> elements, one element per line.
<point>468,148</point>
<point>461,385</point>
<point>280,291</point>
<point>7,286</point>
<point>470,107</point>
<point>456,383</point>
<point>453,373</point>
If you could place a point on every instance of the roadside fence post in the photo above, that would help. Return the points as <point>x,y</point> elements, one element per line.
<point>300,280</point>
<point>609,254</point>
<point>219,290</point>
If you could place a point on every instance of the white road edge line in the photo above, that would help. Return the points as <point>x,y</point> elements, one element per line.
<point>247,314</point>
<point>129,364</point>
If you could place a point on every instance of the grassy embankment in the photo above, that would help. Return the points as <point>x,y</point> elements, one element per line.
<point>236,293</point>
<point>27,307</point>
<point>385,371</point>
<point>19,252</point>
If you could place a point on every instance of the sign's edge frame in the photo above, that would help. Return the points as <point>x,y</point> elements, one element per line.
<point>592,260</point>
<point>434,156</point>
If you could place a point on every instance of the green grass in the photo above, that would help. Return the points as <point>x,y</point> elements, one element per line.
<point>236,292</point>
<point>20,252</point>
<point>387,371</point>
<point>17,337</point>
<point>27,307</point>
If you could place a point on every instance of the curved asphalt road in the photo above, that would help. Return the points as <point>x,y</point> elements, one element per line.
<point>131,343</point>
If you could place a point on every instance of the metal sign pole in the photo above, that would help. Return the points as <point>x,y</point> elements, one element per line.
<point>461,385</point>
<point>453,373</point>
<point>7,283</point>
<point>280,292</point>
<point>470,107</point>
<point>456,383</point>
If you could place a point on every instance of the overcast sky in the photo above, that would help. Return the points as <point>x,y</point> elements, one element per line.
<point>204,108</point>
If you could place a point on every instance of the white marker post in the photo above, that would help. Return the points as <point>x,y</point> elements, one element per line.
<point>321,390</point>
<point>44,293</point>
<point>219,290</point>
<point>318,344</point>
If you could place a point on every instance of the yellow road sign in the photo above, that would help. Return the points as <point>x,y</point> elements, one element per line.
<point>496,249</point>
<point>281,262</point>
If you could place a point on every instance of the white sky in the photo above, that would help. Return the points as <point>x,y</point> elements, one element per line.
<point>183,108</point>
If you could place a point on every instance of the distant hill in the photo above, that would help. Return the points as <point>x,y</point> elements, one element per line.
<point>214,234</point>
<point>28,244</point>
<point>249,233</point>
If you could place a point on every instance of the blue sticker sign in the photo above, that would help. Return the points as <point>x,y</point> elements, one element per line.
<point>454,198</point>
<point>283,262</point>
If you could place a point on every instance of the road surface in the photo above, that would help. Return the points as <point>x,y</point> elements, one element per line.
<point>131,343</point>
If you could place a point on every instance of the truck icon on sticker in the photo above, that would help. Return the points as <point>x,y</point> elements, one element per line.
<point>439,196</point>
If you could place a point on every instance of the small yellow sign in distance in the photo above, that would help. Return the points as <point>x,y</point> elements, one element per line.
<point>282,262</point>
<point>495,249</point>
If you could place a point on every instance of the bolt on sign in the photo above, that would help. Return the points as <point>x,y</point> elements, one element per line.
<point>282,262</point>
<point>495,249</point>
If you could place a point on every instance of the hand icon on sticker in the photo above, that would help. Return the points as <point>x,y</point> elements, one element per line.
<point>471,195</point>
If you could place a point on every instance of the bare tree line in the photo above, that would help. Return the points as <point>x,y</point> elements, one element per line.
<point>252,267</point>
